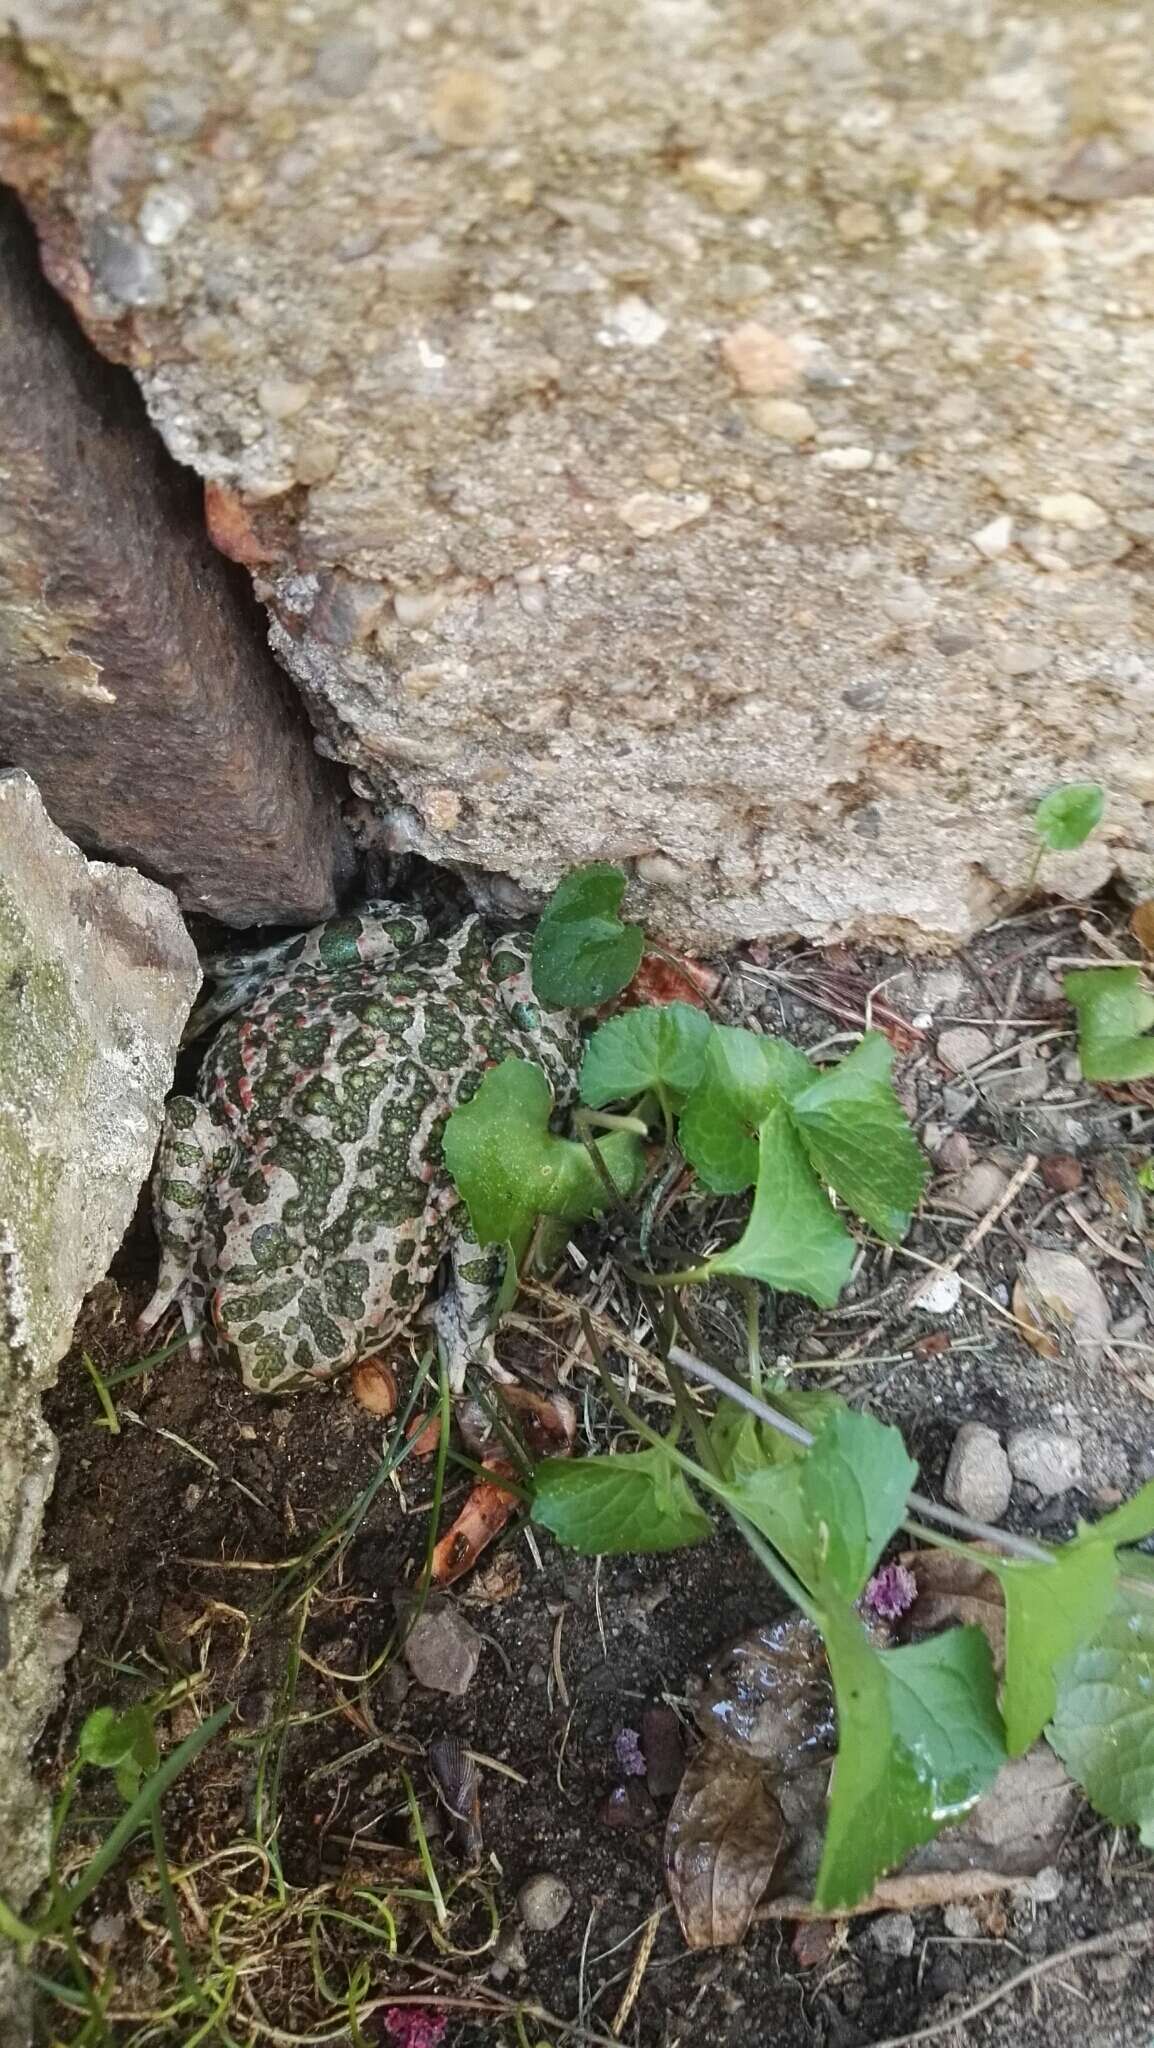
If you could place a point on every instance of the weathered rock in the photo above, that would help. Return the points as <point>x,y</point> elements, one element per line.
<point>134,680</point>
<point>441,1650</point>
<point>978,1474</point>
<point>97,974</point>
<point>1045,1459</point>
<point>469,330</point>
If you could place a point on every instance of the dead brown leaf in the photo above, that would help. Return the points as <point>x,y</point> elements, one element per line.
<point>1023,1315</point>
<point>660,979</point>
<point>1142,924</point>
<point>374,1385</point>
<point>953,1589</point>
<point>484,1515</point>
<point>544,1424</point>
<point>816,1942</point>
<point>500,1579</point>
<point>723,1839</point>
<point>1058,1297</point>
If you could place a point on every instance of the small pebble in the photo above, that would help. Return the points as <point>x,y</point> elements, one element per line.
<point>980,1188</point>
<point>893,1934</point>
<point>963,1046</point>
<point>939,1294</point>
<point>1061,1172</point>
<point>1022,657</point>
<point>954,1154</point>
<point>845,458</point>
<point>1045,1886</point>
<point>994,539</point>
<point>543,1902</point>
<point>962,1922</point>
<point>442,1651</point>
<point>978,1479</point>
<point>760,362</point>
<point>784,419</point>
<point>1072,508</point>
<point>1046,1460</point>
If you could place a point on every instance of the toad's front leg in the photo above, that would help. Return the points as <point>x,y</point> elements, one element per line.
<point>185,1163</point>
<point>463,1314</point>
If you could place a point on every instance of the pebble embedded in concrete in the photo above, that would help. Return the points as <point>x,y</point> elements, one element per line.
<point>784,420</point>
<point>978,1479</point>
<point>1046,1460</point>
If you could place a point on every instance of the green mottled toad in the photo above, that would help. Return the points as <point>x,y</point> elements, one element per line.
<point>301,1197</point>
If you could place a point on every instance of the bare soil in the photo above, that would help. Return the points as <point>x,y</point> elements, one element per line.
<point>176,1531</point>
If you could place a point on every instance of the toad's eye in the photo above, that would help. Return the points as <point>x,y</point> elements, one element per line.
<point>525,1016</point>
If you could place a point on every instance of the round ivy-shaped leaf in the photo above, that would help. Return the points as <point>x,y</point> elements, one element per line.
<point>1067,816</point>
<point>582,953</point>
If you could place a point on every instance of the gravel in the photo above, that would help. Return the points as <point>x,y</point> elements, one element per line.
<point>978,1479</point>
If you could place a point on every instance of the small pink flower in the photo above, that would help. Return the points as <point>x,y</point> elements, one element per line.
<point>890,1592</point>
<point>410,2026</point>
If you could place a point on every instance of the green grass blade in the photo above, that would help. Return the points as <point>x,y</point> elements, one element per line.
<point>133,1817</point>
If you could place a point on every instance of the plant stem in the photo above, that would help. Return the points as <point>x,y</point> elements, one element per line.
<point>752,1294</point>
<point>605,1120</point>
<point>1018,1546</point>
<point>690,1276</point>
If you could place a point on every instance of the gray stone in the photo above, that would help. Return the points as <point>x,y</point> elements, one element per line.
<point>962,1922</point>
<point>441,1650</point>
<point>963,1046</point>
<point>893,1934</point>
<point>978,1479</point>
<point>97,974</point>
<point>517,343</point>
<point>1046,1460</point>
<point>543,1901</point>
<point>134,680</point>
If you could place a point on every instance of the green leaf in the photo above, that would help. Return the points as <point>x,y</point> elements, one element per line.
<point>582,953</point>
<point>511,1168</point>
<point>602,1507</point>
<point>832,1511</point>
<point>1053,1608</point>
<point>1127,1524</point>
<point>1050,1610</point>
<point>659,1048</point>
<point>859,1141</point>
<point>919,1741</point>
<point>742,1078</point>
<point>1067,816</point>
<point>1103,1725</point>
<point>121,1742</point>
<point>794,1240</point>
<point>742,1444</point>
<point>1115,1014</point>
